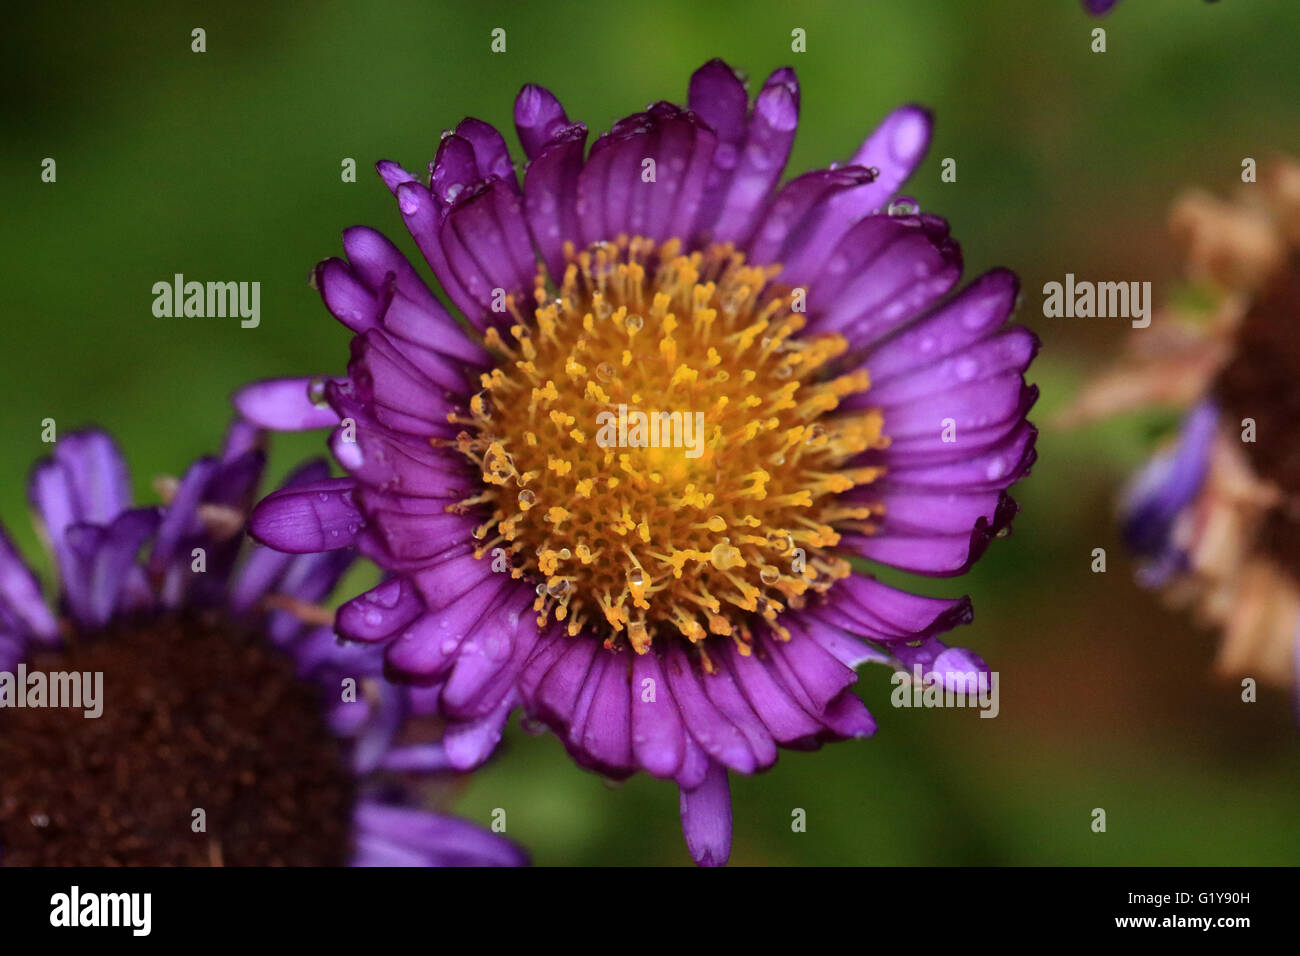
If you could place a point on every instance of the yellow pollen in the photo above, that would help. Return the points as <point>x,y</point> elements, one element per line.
<point>663,451</point>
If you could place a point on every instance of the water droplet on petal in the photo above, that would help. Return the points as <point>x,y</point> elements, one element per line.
<point>531,726</point>
<point>316,391</point>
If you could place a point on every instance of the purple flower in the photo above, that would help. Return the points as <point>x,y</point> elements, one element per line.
<point>1099,8</point>
<point>233,726</point>
<point>688,397</point>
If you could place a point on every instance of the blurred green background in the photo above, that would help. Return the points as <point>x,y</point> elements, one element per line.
<point>225,165</point>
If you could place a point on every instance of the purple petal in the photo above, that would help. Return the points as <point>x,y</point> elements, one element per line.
<point>539,117</point>
<point>767,147</point>
<point>283,404</point>
<point>316,516</point>
<point>706,818</point>
<point>20,595</point>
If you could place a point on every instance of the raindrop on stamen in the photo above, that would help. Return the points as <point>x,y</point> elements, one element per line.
<point>780,542</point>
<point>724,556</point>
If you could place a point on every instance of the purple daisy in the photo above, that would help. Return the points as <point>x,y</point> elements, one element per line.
<point>233,727</point>
<point>628,491</point>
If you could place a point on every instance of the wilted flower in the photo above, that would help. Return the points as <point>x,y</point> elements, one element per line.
<point>1216,517</point>
<point>686,400</point>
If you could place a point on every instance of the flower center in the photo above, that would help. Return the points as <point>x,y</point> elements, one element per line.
<point>1259,383</point>
<point>196,715</point>
<point>658,445</point>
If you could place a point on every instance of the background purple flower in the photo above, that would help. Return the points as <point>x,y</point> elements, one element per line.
<point>125,570</point>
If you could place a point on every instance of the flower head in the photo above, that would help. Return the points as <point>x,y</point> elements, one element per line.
<point>630,494</point>
<point>228,724</point>
<point>1216,517</point>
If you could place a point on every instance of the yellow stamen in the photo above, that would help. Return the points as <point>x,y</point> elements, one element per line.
<point>697,534</point>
